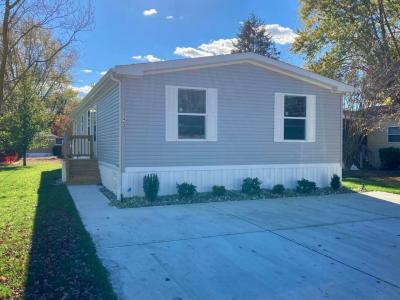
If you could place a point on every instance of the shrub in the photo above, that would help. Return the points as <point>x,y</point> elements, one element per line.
<point>278,189</point>
<point>390,158</point>
<point>218,190</point>
<point>251,186</point>
<point>335,182</point>
<point>305,186</point>
<point>185,190</point>
<point>151,186</point>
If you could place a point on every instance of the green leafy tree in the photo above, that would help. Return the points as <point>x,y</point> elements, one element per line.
<point>253,37</point>
<point>357,42</point>
<point>25,124</point>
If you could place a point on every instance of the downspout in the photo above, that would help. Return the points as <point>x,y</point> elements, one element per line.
<point>119,189</point>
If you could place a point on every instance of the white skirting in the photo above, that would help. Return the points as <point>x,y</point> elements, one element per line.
<point>204,177</point>
<point>110,177</point>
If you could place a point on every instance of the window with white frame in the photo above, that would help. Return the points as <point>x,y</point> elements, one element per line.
<point>88,122</point>
<point>394,134</point>
<point>191,114</point>
<point>82,124</point>
<point>295,118</point>
<point>94,117</point>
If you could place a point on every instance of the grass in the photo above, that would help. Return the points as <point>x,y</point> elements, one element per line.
<point>371,185</point>
<point>45,252</point>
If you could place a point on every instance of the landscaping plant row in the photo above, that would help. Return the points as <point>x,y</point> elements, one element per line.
<point>250,189</point>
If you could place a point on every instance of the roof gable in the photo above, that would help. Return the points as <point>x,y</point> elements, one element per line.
<point>221,60</point>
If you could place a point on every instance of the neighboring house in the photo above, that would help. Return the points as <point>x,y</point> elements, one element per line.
<point>387,135</point>
<point>47,149</point>
<point>213,120</point>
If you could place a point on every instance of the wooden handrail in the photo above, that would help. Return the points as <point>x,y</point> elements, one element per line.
<point>78,146</point>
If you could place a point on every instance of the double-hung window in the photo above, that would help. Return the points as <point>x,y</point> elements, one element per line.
<point>88,122</point>
<point>294,118</point>
<point>394,134</point>
<point>191,113</point>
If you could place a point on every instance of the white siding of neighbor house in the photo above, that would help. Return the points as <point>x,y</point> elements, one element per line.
<point>246,95</point>
<point>378,140</point>
<point>108,121</point>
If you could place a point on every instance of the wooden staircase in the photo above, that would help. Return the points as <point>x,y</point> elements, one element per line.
<point>82,171</point>
<point>79,163</point>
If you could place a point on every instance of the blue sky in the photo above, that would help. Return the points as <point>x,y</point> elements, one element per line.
<point>127,31</point>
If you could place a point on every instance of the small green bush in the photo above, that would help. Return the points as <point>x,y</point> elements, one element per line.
<point>278,189</point>
<point>218,190</point>
<point>151,186</point>
<point>335,182</point>
<point>186,190</point>
<point>390,158</point>
<point>305,186</point>
<point>251,186</point>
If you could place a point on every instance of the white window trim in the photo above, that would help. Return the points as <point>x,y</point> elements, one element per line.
<point>392,134</point>
<point>310,118</point>
<point>207,115</point>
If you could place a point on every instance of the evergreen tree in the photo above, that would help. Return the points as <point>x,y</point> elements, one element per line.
<point>253,37</point>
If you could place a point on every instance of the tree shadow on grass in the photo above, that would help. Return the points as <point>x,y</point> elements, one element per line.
<point>63,263</point>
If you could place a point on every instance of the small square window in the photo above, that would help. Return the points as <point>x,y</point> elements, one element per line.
<point>192,101</point>
<point>394,134</point>
<point>295,106</point>
<point>191,127</point>
<point>294,129</point>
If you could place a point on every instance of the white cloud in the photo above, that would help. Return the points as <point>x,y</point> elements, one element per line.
<point>217,47</point>
<point>82,89</point>
<point>280,35</point>
<point>146,58</point>
<point>103,73</point>
<point>87,71</point>
<point>150,12</point>
<point>169,17</point>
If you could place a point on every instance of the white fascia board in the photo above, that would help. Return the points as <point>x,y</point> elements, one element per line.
<point>90,98</point>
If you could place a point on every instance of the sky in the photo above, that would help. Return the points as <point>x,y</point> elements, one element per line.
<point>137,31</point>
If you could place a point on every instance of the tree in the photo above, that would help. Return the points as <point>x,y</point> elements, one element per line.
<point>26,121</point>
<point>357,42</point>
<point>21,20</point>
<point>253,37</point>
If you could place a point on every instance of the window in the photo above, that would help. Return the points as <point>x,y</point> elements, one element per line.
<point>82,124</point>
<point>295,116</point>
<point>191,114</point>
<point>94,116</point>
<point>394,134</point>
<point>88,122</point>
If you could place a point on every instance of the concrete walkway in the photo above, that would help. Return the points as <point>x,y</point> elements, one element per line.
<point>339,247</point>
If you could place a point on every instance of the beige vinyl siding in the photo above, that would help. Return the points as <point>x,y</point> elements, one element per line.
<point>378,140</point>
<point>108,127</point>
<point>245,120</point>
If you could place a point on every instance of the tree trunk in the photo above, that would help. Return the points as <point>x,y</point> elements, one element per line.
<point>24,157</point>
<point>4,54</point>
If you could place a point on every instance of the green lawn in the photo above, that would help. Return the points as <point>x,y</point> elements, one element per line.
<point>371,185</point>
<point>45,252</point>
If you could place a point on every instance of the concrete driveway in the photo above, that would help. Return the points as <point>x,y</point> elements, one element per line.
<point>339,247</point>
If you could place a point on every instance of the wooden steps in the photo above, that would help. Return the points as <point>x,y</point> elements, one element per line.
<point>83,171</point>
